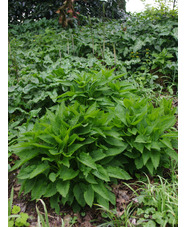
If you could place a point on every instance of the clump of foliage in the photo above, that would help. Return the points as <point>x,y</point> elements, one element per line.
<point>154,204</point>
<point>15,217</point>
<point>74,151</point>
<point>159,203</point>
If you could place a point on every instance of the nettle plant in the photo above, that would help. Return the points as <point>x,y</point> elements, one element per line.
<point>101,131</point>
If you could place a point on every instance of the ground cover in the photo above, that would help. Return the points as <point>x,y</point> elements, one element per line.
<point>91,109</point>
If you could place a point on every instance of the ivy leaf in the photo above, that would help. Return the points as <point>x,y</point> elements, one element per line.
<point>138,45</point>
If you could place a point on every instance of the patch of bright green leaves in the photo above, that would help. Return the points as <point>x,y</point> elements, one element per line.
<point>15,217</point>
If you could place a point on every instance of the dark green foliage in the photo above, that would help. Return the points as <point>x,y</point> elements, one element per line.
<point>21,10</point>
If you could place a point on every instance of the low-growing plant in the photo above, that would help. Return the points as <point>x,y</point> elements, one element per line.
<point>112,218</point>
<point>147,132</point>
<point>158,203</point>
<point>68,156</point>
<point>103,87</point>
<point>15,217</point>
<point>73,152</point>
<point>40,219</point>
<point>154,204</point>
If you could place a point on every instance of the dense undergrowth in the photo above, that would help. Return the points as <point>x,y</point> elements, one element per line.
<point>86,109</point>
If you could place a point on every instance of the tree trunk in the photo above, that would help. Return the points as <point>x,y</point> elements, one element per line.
<point>174,3</point>
<point>122,4</point>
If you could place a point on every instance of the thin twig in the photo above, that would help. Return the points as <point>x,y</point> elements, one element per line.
<point>47,214</point>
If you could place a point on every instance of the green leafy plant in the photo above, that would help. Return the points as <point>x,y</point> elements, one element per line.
<point>72,150</point>
<point>40,218</point>
<point>71,155</point>
<point>15,218</point>
<point>158,203</point>
<point>117,220</point>
<point>147,131</point>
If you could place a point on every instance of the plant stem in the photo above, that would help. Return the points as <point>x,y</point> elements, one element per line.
<point>13,60</point>
<point>73,44</point>
<point>60,54</point>
<point>103,41</point>
<point>114,54</point>
<point>91,35</point>
<point>68,48</point>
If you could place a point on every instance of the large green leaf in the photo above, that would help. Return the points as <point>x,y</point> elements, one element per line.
<point>89,196</point>
<point>115,151</point>
<point>50,189</point>
<point>98,155</point>
<point>26,155</point>
<point>68,173</point>
<point>40,168</point>
<point>63,187</point>
<point>101,201</point>
<point>39,188</point>
<point>87,160</point>
<point>101,190</point>
<point>167,143</point>
<point>138,162</point>
<point>150,166</point>
<point>155,158</point>
<point>74,147</point>
<point>91,179</point>
<point>25,172</point>
<point>140,139</point>
<point>101,173</point>
<point>145,156</point>
<point>115,142</point>
<point>79,193</point>
<point>172,153</point>
<point>117,172</point>
<point>138,45</point>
